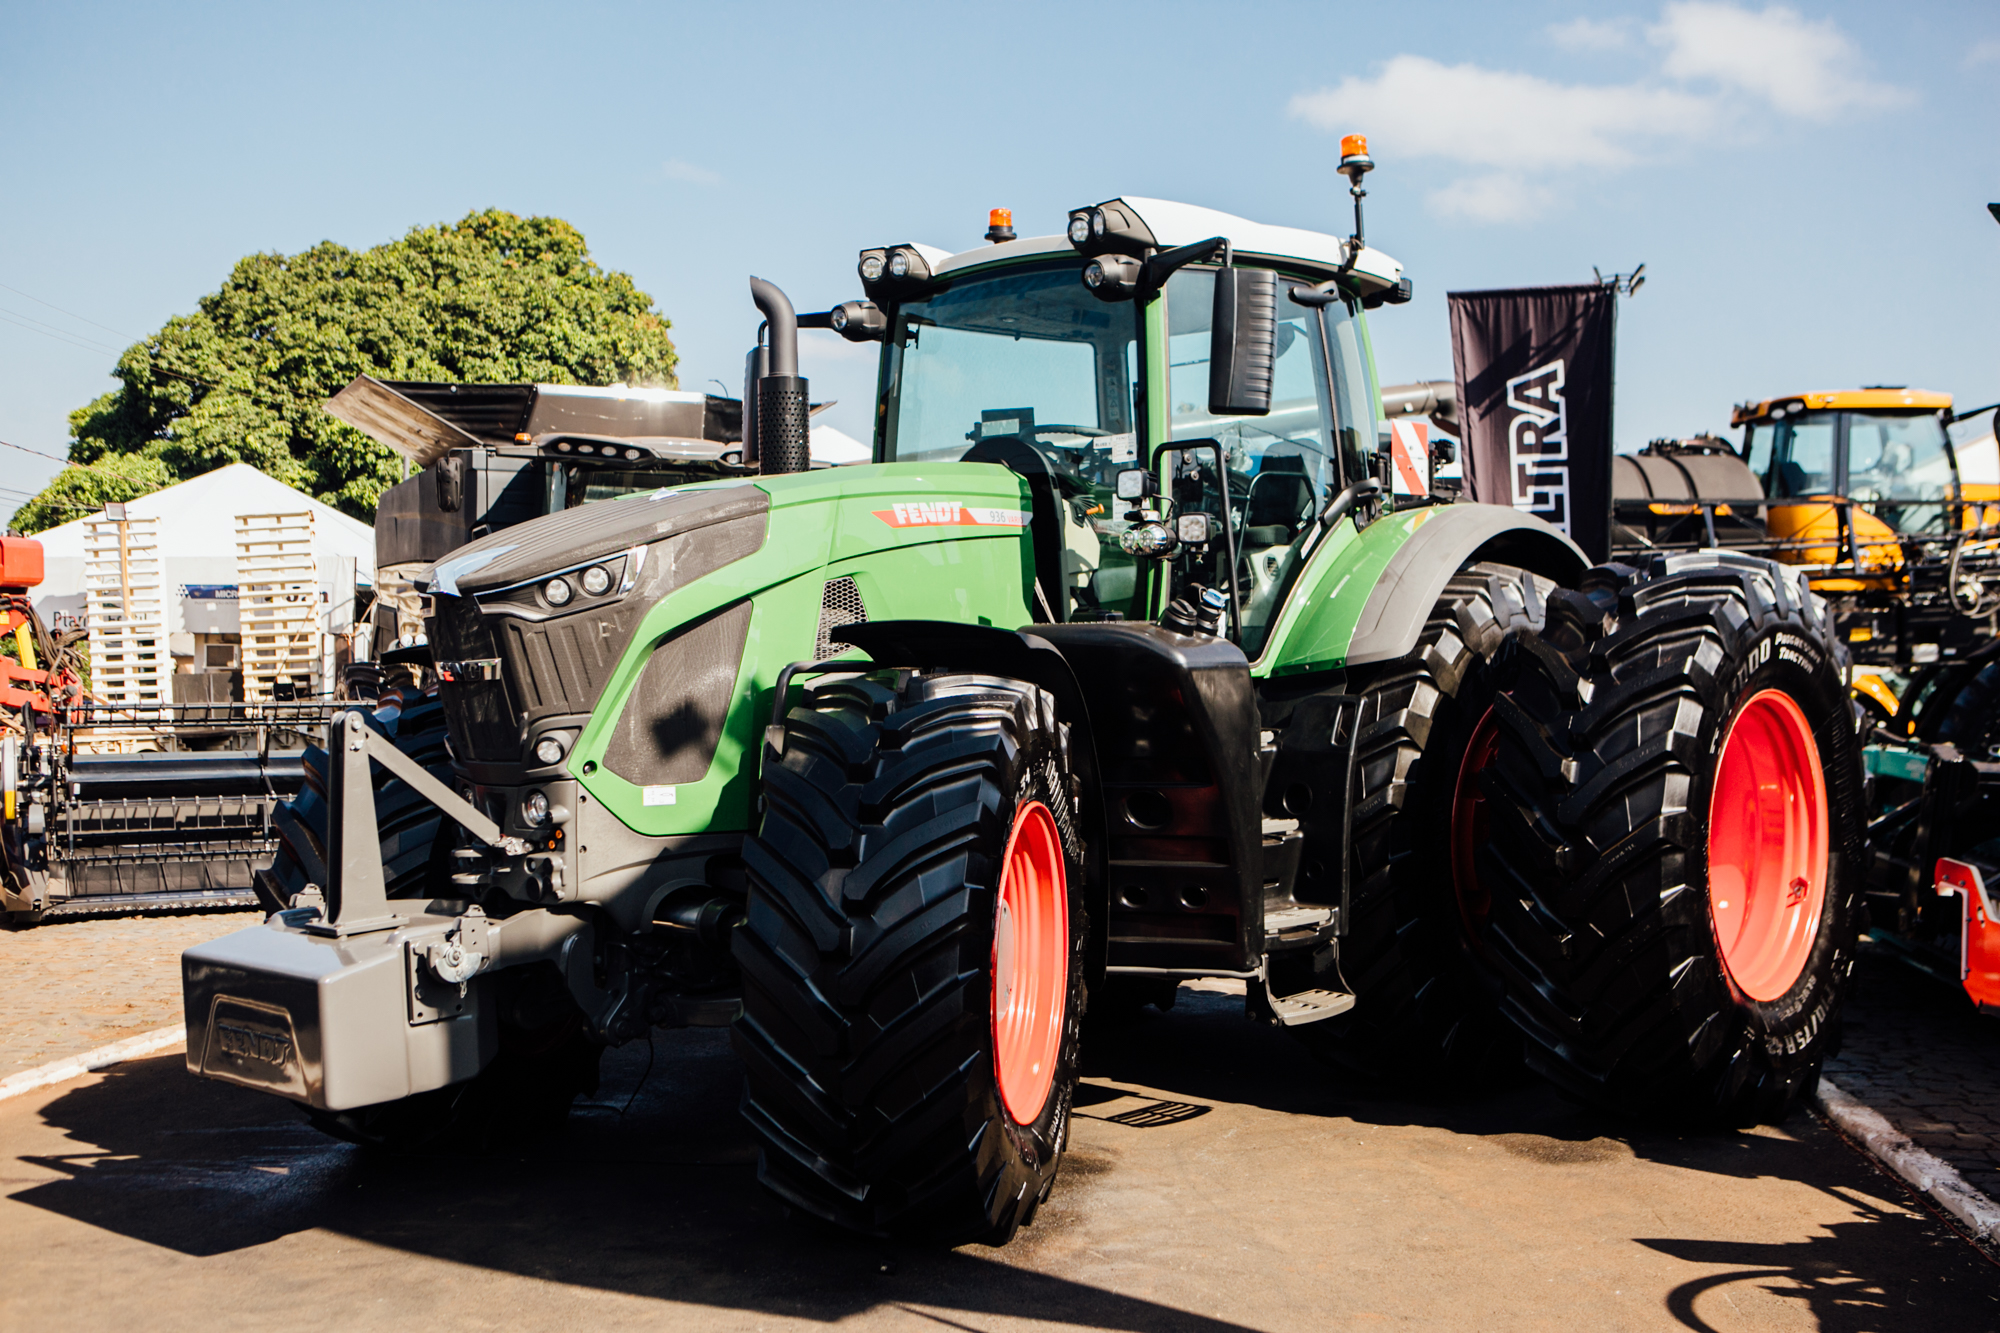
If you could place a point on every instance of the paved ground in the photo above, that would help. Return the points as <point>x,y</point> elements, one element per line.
<point>74,984</point>
<point>1219,1180</point>
<point>1916,1050</point>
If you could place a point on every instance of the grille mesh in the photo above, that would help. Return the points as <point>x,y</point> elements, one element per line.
<point>839,605</point>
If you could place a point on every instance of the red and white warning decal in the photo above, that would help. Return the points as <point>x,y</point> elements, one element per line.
<point>1410,455</point>
<point>949,514</point>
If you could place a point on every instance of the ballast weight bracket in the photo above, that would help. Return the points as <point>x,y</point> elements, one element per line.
<point>354,861</point>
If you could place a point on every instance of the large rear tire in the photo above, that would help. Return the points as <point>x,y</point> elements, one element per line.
<point>1675,862</point>
<point>913,956</point>
<point>1427,1008</point>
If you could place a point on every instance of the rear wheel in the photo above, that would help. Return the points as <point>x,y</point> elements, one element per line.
<point>1675,855</point>
<point>1426,1009</point>
<point>913,956</point>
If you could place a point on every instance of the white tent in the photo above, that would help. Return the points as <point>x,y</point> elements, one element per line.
<point>836,447</point>
<point>197,536</point>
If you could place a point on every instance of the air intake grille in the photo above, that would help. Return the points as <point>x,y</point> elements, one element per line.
<point>839,605</point>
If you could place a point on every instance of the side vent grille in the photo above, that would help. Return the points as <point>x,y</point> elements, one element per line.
<point>839,605</point>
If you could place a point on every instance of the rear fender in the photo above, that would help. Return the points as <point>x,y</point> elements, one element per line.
<point>1383,586</point>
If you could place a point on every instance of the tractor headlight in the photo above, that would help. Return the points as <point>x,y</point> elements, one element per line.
<point>871,266</point>
<point>558,592</point>
<point>535,809</point>
<point>596,581</point>
<point>1079,229</point>
<point>549,750</point>
<point>899,264</point>
<point>858,321</point>
<point>1151,540</point>
<point>1112,277</point>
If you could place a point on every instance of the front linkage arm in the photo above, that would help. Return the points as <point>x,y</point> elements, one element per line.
<point>354,860</point>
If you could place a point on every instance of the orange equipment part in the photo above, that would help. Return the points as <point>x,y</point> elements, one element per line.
<point>1878,550</point>
<point>20,563</point>
<point>1979,941</point>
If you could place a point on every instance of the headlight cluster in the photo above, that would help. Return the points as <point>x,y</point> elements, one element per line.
<point>893,270</point>
<point>1115,241</point>
<point>560,591</point>
<point>608,450</point>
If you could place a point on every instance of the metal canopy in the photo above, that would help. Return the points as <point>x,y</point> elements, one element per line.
<point>418,434</point>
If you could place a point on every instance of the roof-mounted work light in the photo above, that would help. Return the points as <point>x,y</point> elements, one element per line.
<point>891,271</point>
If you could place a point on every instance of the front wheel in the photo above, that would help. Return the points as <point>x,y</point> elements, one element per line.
<point>1675,866</point>
<point>913,956</point>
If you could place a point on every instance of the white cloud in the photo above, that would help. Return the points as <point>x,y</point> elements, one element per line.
<point>676,170</point>
<point>1801,67</point>
<point>1716,61</point>
<point>1497,196</point>
<point>1463,113</point>
<point>1983,53</point>
<point>1585,34</point>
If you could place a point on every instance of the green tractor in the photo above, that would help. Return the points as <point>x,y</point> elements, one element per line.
<point>1116,668</point>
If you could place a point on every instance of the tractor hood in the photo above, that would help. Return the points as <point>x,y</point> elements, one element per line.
<point>592,532</point>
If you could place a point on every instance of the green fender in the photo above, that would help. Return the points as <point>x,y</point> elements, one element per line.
<point>1367,594</point>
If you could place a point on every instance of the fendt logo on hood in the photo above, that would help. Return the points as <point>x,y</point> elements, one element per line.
<point>949,514</point>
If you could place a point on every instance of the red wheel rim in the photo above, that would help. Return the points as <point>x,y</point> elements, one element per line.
<point>1030,963</point>
<point>1471,825</point>
<point>1767,846</point>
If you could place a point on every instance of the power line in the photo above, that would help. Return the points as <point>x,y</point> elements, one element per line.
<point>71,313</point>
<point>52,328</point>
<point>39,454</point>
<point>87,347</point>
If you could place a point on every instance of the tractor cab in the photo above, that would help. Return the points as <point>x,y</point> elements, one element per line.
<point>1884,451</point>
<point>1002,355</point>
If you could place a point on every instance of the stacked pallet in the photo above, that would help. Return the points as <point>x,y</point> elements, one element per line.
<point>125,612</point>
<point>277,588</point>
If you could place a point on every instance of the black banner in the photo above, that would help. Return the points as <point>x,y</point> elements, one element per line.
<point>1533,367</point>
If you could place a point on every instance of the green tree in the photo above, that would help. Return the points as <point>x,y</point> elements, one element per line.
<point>495,298</point>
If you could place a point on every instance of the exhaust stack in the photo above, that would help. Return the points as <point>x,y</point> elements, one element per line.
<point>781,424</point>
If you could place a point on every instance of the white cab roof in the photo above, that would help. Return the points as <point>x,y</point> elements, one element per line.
<point>1175,224</point>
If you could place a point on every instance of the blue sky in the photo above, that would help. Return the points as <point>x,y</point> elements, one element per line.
<point>1806,185</point>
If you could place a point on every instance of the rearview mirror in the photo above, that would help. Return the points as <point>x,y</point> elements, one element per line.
<point>1242,342</point>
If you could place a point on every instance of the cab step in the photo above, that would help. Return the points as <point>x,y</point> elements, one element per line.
<point>1308,1006</point>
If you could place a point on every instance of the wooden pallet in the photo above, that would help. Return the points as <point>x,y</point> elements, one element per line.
<point>277,589</point>
<point>125,611</point>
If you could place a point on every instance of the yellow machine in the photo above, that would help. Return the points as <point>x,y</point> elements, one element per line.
<point>1899,527</point>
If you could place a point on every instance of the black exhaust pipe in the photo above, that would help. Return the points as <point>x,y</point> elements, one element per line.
<point>783,442</point>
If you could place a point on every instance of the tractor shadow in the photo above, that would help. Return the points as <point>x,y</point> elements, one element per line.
<point>658,1201</point>
<point>1885,1267</point>
<point>653,1193</point>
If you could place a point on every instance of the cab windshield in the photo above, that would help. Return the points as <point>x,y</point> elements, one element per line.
<point>1897,464</point>
<point>1026,354</point>
<point>1027,358</point>
<point>1031,354</point>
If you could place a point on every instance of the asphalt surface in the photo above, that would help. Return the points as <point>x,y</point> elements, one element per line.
<point>1914,1048</point>
<point>1218,1179</point>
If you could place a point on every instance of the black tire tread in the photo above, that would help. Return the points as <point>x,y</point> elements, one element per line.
<point>1422,1013</point>
<point>866,982</point>
<point>1601,927</point>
